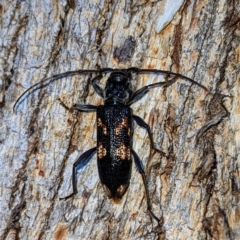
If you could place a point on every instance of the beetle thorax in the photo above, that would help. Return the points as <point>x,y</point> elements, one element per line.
<point>118,88</point>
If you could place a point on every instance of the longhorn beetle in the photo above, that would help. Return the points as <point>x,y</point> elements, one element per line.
<point>115,127</point>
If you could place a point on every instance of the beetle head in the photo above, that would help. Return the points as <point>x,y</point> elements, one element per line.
<point>118,88</point>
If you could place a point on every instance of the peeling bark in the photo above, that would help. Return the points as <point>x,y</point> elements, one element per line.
<point>194,181</point>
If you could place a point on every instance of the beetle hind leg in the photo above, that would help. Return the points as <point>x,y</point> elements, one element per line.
<point>140,169</point>
<point>80,163</point>
<point>144,125</point>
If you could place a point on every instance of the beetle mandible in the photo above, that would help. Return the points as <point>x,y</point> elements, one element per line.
<point>115,127</point>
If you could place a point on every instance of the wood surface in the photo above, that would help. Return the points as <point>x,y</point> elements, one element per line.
<point>194,183</point>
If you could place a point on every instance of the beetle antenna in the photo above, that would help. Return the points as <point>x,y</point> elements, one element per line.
<point>55,77</point>
<point>105,70</point>
<point>147,71</point>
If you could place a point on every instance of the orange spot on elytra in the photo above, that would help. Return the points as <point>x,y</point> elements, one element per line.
<point>123,152</point>
<point>103,126</point>
<point>101,151</point>
<point>122,124</point>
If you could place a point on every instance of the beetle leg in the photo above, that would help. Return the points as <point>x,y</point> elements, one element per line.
<point>96,87</point>
<point>80,163</point>
<point>144,125</point>
<point>80,107</point>
<point>85,107</point>
<point>140,169</point>
<point>140,93</point>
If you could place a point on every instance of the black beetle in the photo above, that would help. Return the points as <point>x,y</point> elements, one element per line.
<point>115,128</point>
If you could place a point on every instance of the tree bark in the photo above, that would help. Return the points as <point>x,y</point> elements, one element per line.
<point>194,185</point>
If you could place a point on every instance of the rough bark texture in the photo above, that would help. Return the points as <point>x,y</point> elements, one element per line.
<point>194,187</point>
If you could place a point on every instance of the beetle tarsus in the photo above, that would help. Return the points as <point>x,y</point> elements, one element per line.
<point>67,197</point>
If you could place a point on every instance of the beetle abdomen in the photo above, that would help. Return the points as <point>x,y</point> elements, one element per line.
<point>114,144</point>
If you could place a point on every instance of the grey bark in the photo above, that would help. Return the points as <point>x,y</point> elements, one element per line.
<point>194,186</point>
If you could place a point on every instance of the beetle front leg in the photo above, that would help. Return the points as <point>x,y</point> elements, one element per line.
<point>140,169</point>
<point>81,162</point>
<point>85,107</point>
<point>80,107</point>
<point>144,125</point>
<point>96,87</point>
<point>140,93</point>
